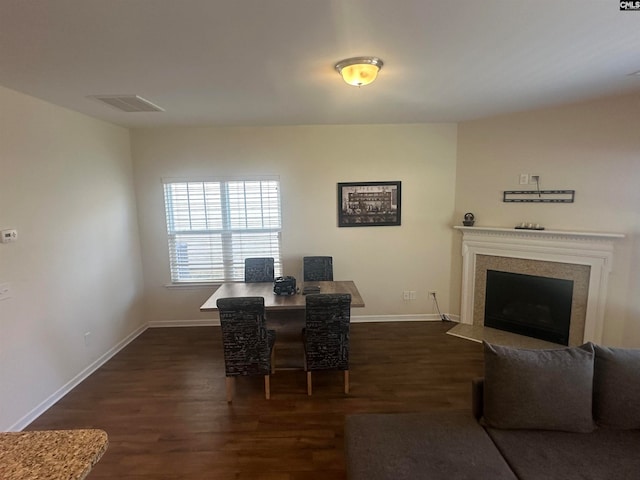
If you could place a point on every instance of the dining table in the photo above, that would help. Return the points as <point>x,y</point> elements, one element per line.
<point>272,301</point>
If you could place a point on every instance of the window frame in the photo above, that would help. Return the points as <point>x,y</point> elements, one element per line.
<point>232,260</point>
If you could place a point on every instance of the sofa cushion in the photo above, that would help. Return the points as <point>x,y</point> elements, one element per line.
<point>410,446</point>
<point>605,453</point>
<point>539,389</point>
<point>616,384</point>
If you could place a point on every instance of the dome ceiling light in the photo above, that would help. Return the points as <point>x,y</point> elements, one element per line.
<point>359,71</point>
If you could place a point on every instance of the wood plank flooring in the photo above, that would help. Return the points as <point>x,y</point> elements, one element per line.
<point>162,402</point>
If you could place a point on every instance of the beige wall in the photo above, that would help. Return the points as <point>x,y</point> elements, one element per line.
<point>592,148</point>
<point>383,261</point>
<point>66,186</point>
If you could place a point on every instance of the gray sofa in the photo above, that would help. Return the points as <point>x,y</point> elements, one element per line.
<point>569,413</point>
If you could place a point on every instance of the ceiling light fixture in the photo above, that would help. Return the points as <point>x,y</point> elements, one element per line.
<point>359,71</point>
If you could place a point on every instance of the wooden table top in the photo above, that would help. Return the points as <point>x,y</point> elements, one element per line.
<point>280,302</point>
<point>50,454</point>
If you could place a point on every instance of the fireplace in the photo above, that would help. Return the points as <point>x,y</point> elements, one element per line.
<point>581,257</point>
<point>530,305</point>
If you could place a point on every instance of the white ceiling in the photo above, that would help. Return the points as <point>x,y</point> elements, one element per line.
<point>270,62</point>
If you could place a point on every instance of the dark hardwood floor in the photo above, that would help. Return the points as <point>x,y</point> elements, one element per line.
<point>162,402</point>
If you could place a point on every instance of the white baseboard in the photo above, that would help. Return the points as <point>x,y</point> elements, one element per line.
<point>74,382</point>
<point>209,322</point>
<point>418,317</point>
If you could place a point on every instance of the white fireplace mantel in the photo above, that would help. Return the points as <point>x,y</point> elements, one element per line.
<point>594,249</point>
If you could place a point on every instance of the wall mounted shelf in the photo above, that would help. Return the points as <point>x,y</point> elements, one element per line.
<point>539,196</point>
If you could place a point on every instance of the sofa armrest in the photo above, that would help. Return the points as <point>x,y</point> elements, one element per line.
<point>477,397</point>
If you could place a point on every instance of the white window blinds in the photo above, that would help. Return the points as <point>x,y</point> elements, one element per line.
<point>213,226</point>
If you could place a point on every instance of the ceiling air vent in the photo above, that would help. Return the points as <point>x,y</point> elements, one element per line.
<point>128,103</point>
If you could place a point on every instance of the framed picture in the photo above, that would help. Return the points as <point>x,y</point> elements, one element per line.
<point>368,204</point>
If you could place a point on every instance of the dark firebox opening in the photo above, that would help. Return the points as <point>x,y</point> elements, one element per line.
<point>538,307</point>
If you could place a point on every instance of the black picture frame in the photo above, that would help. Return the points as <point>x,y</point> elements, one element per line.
<point>369,204</point>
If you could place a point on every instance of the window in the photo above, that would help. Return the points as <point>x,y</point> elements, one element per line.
<point>214,225</point>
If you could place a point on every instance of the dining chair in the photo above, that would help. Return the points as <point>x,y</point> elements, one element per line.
<point>317,269</point>
<point>258,269</point>
<point>247,343</point>
<point>326,335</point>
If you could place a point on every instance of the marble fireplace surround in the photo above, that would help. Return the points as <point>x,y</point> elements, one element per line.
<point>583,257</point>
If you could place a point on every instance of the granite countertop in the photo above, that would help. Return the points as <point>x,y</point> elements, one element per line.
<point>50,454</point>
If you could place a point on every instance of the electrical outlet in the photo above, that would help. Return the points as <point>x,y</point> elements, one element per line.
<point>406,295</point>
<point>87,339</point>
<point>5,291</point>
<point>534,179</point>
<point>433,293</point>
<point>524,179</point>
<point>412,295</point>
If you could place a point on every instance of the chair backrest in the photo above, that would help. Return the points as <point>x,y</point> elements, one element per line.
<point>317,269</point>
<point>326,333</point>
<point>258,269</point>
<point>244,336</point>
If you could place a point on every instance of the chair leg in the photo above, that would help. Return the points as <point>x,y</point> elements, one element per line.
<point>346,381</point>
<point>309,387</point>
<point>273,360</point>
<point>267,387</point>
<point>230,384</point>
